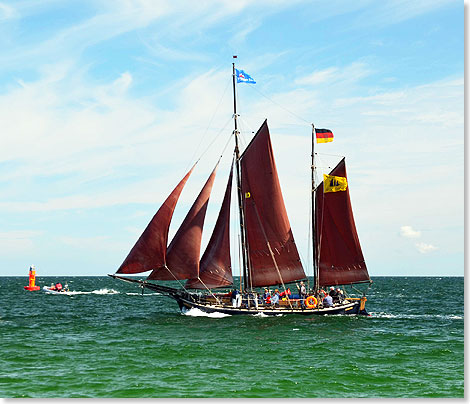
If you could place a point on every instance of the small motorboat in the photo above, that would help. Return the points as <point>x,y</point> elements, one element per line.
<point>57,289</point>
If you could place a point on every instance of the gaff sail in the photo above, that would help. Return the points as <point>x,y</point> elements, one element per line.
<point>268,230</point>
<point>182,257</point>
<point>339,252</point>
<point>215,269</point>
<point>149,251</point>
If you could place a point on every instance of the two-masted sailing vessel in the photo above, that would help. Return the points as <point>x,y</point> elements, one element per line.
<point>268,253</point>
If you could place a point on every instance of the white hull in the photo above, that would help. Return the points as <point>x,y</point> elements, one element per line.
<point>50,291</point>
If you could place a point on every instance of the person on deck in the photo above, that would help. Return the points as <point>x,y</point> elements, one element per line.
<point>234,296</point>
<point>266,296</point>
<point>275,298</point>
<point>339,295</point>
<point>255,299</point>
<point>328,301</point>
<point>285,293</point>
<point>302,293</point>
<point>332,292</point>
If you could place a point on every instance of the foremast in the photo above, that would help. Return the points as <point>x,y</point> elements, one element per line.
<point>244,250</point>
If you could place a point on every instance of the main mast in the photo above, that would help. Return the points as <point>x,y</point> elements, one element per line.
<point>244,272</point>
<point>314,247</point>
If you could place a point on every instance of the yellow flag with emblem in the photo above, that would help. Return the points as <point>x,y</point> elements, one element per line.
<point>332,183</point>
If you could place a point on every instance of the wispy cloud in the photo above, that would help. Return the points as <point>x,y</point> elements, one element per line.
<point>17,241</point>
<point>7,12</point>
<point>424,248</point>
<point>409,232</point>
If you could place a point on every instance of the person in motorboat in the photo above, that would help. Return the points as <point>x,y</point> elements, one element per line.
<point>57,287</point>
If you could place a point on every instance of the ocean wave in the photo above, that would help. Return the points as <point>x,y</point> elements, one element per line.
<point>416,316</point>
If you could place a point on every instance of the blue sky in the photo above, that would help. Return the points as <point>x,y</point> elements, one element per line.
<point>105,104</point>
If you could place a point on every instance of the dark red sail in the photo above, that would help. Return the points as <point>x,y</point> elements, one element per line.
<point>150,249</point>
<point>338,249</point>
<point>266,217</point>
<point>182,258</point>
<point>215,268</point>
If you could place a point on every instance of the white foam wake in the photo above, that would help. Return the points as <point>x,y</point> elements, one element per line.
<point>140,294</point>
<point>195,312</point>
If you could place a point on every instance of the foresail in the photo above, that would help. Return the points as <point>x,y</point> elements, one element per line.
<point>268,229</point>
<point>338,249</point>
<point>149,251</point>
<point>182,258</point>
<point>215,268</point>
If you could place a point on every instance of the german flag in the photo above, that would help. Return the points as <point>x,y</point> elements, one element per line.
<point>324,135</point>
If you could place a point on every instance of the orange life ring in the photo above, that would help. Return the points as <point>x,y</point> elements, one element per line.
<point>311,302</point>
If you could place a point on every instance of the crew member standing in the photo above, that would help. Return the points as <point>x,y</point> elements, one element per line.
<point>302,293</point>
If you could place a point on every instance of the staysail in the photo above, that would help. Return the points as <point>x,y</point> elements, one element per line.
<point>338,249</point>
<point>149,251</point>
<point>215,269</point>
<point>273,254</point>
<point>182,257</point>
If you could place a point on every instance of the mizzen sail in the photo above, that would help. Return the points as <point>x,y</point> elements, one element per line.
<point>273,254</point>
<point>182,257</point>
<point>338,249</point>
<point>215,269</point>
<point>149,252</point>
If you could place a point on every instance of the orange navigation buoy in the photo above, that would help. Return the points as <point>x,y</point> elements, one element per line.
<point>32,280</point>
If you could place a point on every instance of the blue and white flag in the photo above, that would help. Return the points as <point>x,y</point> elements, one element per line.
<point>243,77</point>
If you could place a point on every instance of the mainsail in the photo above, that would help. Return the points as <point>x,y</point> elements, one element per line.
<point>215,268</point>
<point>338,249</point>
<point>182,258</point>
<point>273,254</point>
<point>149,251</point>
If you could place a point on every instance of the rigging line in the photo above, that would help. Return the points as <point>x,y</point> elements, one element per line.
<point>214,139</point>
<point>318,247</point>
<point>310,235</point>
<point>279,105</point>
<point>272,254</point>
<point>210,291</point>
<point>240,260</point>
<point>326,154</point>
<point>210,122</point>
<point>176,279</point>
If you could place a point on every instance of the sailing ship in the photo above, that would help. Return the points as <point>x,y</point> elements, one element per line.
<point>268,253</point>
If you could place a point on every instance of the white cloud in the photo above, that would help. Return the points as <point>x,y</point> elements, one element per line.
<point>409,232</point>
<point>7,12</point>
<point>17,241</point>
<point>424,248</point>
<point>335,75</point>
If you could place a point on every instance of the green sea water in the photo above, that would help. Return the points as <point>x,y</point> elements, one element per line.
<point>108,340</point>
